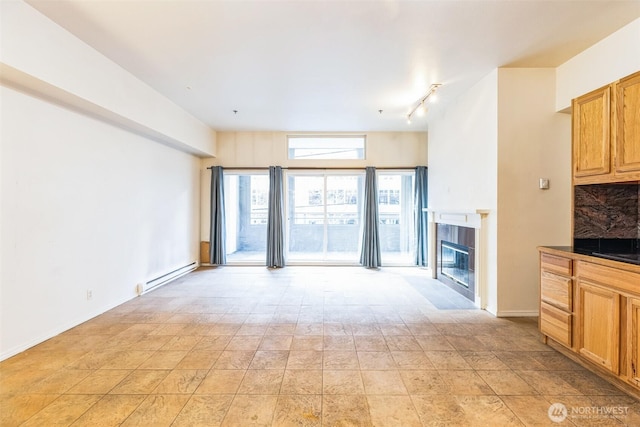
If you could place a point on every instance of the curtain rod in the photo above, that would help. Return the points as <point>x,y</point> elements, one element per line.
<point>314,168</point>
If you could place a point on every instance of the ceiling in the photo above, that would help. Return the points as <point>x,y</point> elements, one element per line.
<point>329,65</point>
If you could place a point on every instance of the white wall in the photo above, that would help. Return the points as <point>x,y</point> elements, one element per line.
<point>263,149</point>
<point>610,59</point>
<point>533,142</point>
<point>463,170</point>
<point>85,205</point>
<point>44,57</point>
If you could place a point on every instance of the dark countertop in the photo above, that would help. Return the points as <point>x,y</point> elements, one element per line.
<point>609,259</point>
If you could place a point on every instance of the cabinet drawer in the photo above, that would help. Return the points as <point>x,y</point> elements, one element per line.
<point>556,290</point>
<point>556,264</point>
<point>626,281</point>
<point>555,323</point>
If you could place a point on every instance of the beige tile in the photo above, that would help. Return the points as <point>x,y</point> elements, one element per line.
<point>269,360</point>
<point>252,330</point>
<point>215,342</point>
<point>333,360</point>
<point>15,409</point>
<point>376,360</point>
<point>393,411</point>
<point>181,381</point>
<point>199,359</point>
<point>244,342</point>
<point>204,411</point>
<point>532,411</point>
<point>339,343</point>
<point>383,382</point>
<point>111,410</point>
<point>261,382</point>
<point>130,359</point>
<point>465,382</point>
<point>100,381</point>
<point>483,360</point>
<point>520,361</point>
<point>307,342</point>
<point>391,330</point>
<point>164,359</point>
<point>253,410</point>
<point>221,382</point>
<point>63,411</point>
<point>140,382</point>
<point>151,342</point>
<point>182,342</point>
<point>424,382</point>
<point>309,329</point>
<point>506,382</point>
<point>342,382</point>
<point>411,360</point>
<point>337,329</point>
<point>301,359</point>
<point>276,342</point>
<point>548,383</point>
<point>234,360</point>
<point>466,343</point>
<point>298,411</point>
<point>371,343</point>
<point>447,360</point>
<point>59,382</point>
<point>441,411</point>
<point>299,381</point>
<point>157,410</point>
<point>487,410</point>
<point>281,329</point>
<point>434,343</point>
<point>402,343</point>
<point>345,411</point>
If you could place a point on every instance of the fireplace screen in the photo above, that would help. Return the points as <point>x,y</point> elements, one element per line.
<point>455,262</point>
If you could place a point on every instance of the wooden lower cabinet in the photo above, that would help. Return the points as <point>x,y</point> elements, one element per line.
<point>599,325</point>
<point>591,307</point>
<point>633,332</point>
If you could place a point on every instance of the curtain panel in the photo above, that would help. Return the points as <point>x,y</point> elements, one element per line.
<point>421,220</point>
<point>217,234</point>
<point>370,251</point>
<point>275,219</point>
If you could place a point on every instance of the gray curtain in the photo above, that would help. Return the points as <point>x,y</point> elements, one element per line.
<point>370,253</point>
<point>217,252</point>
<point>422,226</point>
<point>275,219</point>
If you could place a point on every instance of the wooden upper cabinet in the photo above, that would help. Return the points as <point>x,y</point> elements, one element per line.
<point>627,126</point>
<point>591,135</point>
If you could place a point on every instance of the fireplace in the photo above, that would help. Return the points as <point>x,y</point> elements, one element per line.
<point>455,258</point>
<point>455,262</point>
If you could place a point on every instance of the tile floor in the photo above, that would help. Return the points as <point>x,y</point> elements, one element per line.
<point>301,346</point>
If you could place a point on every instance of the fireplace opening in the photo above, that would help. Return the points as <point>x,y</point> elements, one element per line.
<point>455,262</point>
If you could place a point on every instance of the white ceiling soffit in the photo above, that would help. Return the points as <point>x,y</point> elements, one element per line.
<point>329,65</point>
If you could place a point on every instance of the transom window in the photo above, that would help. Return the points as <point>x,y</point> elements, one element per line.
<point>326,147</point>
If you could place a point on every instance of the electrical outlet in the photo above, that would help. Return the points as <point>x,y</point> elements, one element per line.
<point>89,294</point>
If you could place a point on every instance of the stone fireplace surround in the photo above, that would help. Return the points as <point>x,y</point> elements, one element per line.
<point>470,232</point>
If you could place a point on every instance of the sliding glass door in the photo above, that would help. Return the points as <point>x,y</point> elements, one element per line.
<point>396,212</point>
<point>324,217</point>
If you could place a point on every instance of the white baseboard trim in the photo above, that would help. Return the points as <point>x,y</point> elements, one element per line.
<point>517,313</point>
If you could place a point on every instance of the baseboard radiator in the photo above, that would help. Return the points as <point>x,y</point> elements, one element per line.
<point>152,284</point>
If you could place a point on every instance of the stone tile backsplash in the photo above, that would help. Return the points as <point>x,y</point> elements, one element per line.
<point>610,211</point>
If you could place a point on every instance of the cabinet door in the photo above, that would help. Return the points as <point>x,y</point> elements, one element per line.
<point>591,134</point>
<point>627,118</point>
<point>633,331</point>
<point>599,325</point>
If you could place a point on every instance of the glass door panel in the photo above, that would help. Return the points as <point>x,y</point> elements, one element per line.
<point>395,207</point>
<point>306,215</point>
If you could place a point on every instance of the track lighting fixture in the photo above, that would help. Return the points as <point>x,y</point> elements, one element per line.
<point>420,108</point>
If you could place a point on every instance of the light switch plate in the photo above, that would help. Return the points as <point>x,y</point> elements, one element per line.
<point>544,184</point>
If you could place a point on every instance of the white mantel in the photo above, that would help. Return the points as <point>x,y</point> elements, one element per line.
<point>475,219</point>
<point>471,219</point>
